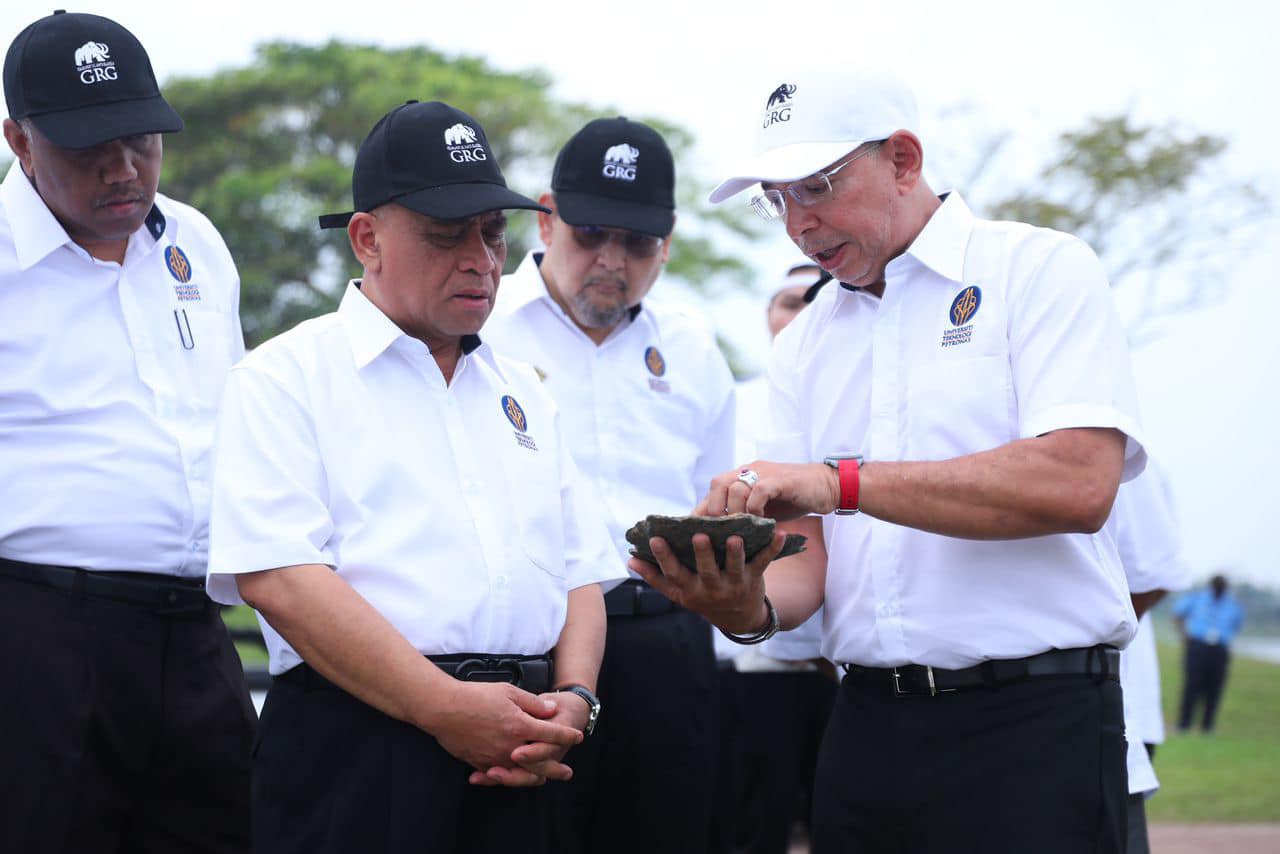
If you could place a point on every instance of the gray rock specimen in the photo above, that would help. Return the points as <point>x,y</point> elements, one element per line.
<point>678,531</point>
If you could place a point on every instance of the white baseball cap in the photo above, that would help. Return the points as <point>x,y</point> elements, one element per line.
<point>814,117</point>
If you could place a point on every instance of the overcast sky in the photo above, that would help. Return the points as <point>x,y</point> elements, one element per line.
<point>1209,387</point>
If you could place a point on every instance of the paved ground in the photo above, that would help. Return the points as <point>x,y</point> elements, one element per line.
<point>1215,838</point>
<point>1197,839</point>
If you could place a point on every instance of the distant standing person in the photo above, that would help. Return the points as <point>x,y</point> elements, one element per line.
<point>1209,619</point>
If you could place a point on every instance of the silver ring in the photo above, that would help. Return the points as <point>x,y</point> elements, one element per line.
<point>749,477</point>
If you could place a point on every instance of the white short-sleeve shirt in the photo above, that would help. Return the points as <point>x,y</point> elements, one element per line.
<point>1147,536</point>
<point>454,509</point>
<point>988,332</point>
<point>649,413</point>
<point>110,377</point>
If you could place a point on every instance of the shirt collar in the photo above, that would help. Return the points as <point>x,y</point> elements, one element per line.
<point>942,243</point>
<point>371,332</point>
<point>528,285</point>
<point>36,231</point>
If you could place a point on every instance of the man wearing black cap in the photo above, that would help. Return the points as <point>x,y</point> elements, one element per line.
<point>648,406</point>
<point>126,724</point>
<point>397,503</point>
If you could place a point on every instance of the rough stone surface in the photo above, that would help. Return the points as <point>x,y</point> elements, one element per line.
<point>678,531</point>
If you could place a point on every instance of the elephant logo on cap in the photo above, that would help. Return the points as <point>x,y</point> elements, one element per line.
<point>459,134</point>
<point>91,52</point>
<point>622,153</point>
<point>781,95</point>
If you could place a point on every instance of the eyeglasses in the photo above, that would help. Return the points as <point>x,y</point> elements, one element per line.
<point>637,244</point>
<point>772,204</point>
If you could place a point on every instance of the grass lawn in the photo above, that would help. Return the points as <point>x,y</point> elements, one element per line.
<point>1234,774</point>
<point>242,617</point>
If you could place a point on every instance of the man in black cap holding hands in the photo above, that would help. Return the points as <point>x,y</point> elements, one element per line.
<point>396,501</point>
<point>126,724</point>
<point>647,401</point>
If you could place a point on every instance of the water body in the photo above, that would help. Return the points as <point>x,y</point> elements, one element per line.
<point>1261,648</point>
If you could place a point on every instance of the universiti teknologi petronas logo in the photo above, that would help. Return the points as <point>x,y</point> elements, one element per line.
<point>515,414</point>
<point>658,368</point>
<point>179,266</point>
<point>964,308</point>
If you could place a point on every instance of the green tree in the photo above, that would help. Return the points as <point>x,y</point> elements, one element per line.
<point>270,146</point>
<point>1152,200</point>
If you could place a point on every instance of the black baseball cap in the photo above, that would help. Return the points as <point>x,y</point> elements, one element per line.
<point>616,173</point>
<point>84,80</point>
<point>431,158</point>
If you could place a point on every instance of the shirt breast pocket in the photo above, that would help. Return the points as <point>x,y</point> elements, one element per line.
<point>203,337</point>
<point>960,406</point>
<point>534,483</point>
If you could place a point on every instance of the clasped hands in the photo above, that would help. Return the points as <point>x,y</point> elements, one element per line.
<point>511,737</point>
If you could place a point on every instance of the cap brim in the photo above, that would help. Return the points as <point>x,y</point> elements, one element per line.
<point>459,201</point>
<point>782,164</point>
<point>86,127</point>
<point>451,201</point>
<point>585,209</point>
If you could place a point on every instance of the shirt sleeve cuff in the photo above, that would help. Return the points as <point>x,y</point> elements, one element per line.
<point>1068,417</point>
<point>224,566</point>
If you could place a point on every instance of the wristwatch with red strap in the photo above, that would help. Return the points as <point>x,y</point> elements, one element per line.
<point>847,465</point>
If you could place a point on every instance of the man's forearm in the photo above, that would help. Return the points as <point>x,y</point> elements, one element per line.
<point>795,585</point>
<point>1062,482</point>
<point>340,635</point>
<point>580,649</point>
<point>1144,602</point>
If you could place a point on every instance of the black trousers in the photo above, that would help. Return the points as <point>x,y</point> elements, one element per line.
<point>1204,677</point>
<point>121,730</point>
<point>1138,843</point>
<point>642,782</point>
<point>1035,766</point>
<point>333,775</point>
<point>771,726</point>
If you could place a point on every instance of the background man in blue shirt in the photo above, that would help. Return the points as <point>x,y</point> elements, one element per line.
<point>1209,619</point>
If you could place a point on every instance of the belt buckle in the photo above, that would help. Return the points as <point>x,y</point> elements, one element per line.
<point>490,670</point>
<point>928,673</point>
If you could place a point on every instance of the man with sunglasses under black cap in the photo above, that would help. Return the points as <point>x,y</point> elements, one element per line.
<point>949,423</point>
<point>647,402</point>
<point>397,502</point>
<point>126,724</point>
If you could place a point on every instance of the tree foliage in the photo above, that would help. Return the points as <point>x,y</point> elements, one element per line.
<point>1152,202</point>
<point>270,146</point>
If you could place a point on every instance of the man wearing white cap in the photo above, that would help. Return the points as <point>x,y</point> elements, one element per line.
<point>956,416</point>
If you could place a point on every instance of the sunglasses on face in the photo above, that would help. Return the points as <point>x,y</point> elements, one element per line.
<point>636,244</point>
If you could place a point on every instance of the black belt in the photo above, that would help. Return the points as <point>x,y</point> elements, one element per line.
<point>163,594</point>
<point>1099,662</point>
<point>529,672</point>
<point>634,598</point>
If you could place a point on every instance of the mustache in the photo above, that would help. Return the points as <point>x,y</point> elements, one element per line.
<point>120,197</point>
<point>609,281</point>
